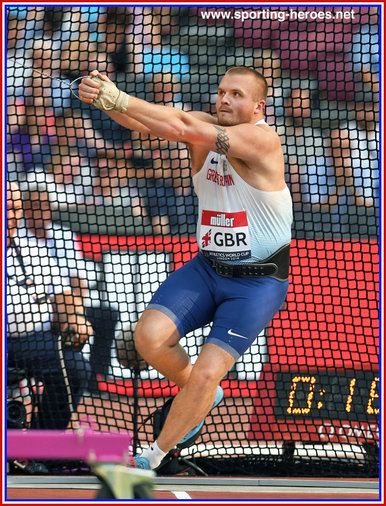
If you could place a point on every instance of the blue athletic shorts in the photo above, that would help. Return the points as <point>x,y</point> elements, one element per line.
<point>240,308</point>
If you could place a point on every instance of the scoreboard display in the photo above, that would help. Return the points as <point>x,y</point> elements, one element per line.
<point>341,395</point>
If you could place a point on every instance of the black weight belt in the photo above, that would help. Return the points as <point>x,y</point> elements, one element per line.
<point>276,266</point>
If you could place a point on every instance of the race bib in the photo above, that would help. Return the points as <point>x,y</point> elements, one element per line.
<point>225,236</point>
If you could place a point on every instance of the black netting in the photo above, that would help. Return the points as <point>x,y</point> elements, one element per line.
<point>118,212</point>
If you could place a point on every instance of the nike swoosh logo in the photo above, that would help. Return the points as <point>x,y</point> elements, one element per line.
<point>214,161</point>
<point>234,334</point>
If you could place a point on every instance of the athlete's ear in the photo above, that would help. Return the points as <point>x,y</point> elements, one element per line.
<point>260,106</point>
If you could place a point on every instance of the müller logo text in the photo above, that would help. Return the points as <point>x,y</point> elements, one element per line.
<point>221,221</point>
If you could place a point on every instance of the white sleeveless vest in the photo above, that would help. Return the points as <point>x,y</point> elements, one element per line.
<point>238,223</point>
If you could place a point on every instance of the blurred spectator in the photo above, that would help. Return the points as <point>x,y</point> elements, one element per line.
<point>281,83</point>
<point>267,61</point>
<point>67,177</point>
<point>186,199</point>
<point>29,138</point>
<point>70,177</point>
<point>166,188</point>
<point>35,29</point>
<point>111,185</point>
<point>113,28</point>
<point>62,245</point>
<point>60,241</point>
<point>165,184</point>
<point>81,57</point>
<point>157,192</point>
<point>355,150</point>
<point>150,55</point>
<point>63,63</point>
<point>38,89</point>
<point>19,148</point>
<point>364,52</point>
<point>92,17</point>
<point>62,23</point>
<point>164,88</point>
<point>41,310</point>
<point>16,33</point>
<point>40,125</point>
<point>305,149</point>
<point>39,101</point>
<point>161,89</point>
<point>23,27</point>
<point>75,130</point>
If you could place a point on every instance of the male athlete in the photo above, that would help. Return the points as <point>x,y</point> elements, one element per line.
<point>239,278</point>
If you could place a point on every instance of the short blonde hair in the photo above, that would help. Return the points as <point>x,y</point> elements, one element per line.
<point>257,75</point>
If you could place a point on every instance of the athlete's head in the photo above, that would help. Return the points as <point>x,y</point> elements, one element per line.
<point>242,94</point>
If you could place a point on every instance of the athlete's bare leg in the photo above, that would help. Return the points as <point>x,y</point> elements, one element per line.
<point>157,341</point>
<point>193,402</point>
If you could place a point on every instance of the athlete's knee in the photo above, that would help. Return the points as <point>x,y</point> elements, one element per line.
<point>154,330</point>
<point>210,367</point>
<point>142,336</point>
<point>204,378</point>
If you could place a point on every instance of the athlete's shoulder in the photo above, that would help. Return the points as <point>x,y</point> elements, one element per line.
<point>268,134</point>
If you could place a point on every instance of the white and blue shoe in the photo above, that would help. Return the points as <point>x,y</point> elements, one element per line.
<point>139,462</point>
<point>192,435</point>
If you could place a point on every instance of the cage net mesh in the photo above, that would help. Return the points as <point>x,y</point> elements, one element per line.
<point>117,212</point>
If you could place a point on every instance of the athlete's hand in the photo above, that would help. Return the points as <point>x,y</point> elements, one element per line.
<point>89,88</point>
<point>98,90</point>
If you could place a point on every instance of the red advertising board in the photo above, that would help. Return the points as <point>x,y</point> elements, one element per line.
<point>321,383</point>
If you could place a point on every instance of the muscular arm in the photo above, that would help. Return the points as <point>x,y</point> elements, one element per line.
<point>241,141</point>
<point>126,121</point>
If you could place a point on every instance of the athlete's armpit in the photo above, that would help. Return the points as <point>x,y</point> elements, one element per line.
<point>222,142</point>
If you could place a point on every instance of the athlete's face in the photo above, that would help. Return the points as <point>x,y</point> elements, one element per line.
<point>239,100</point>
